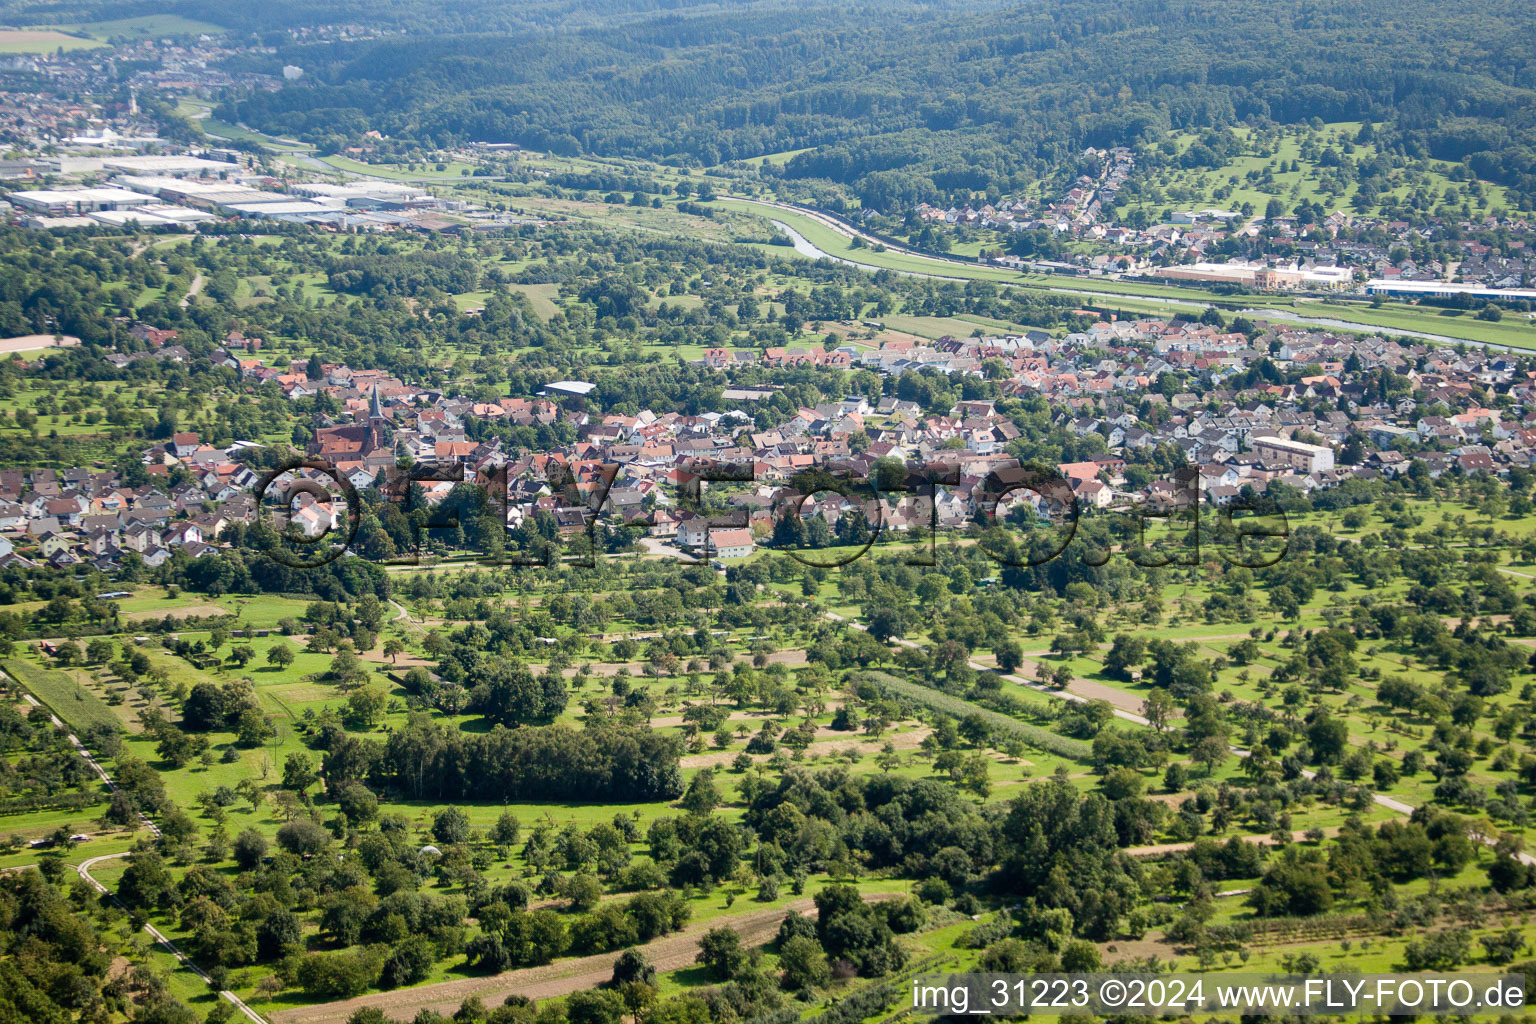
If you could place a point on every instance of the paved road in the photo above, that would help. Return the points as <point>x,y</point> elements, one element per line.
<point>80,748</point>
<point>805,247</point>
<point>84,869</point>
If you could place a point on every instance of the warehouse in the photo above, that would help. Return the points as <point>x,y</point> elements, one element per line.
<point>173,165</point>
<point>155,216</point>
<point>206,194</point>
<point>63,202</point>
<point>1448,290</point>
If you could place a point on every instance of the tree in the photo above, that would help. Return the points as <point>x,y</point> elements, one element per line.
<point>1327,736</point>
<point>450,826</point>
<point>1441,951</point>
<point>392,648</point>
<point>347,668</point>
<point>357,803</point>
<point>583,890</point>
<point>203,709</point>
<point>849,929</point>
<point>408,963</point>
<point>250,849</point>
<point>1009,655</point>
<point>299,772</point>
<point>178,747</point>
<point>1210,751</point>
<point>702,796</point>
<point>278,933</point>
<point>1296,885</point>
<point>506,829</point>
<point>720,951</point>
<point>1080,957</point>
<point>365,707</point>
<point>1502,947</point>
<point>1158,708</point>
<point>303,837</point>
<point>1124,653</point>
<point>508,694</point>
<point>280,655</point>
<point>594,1006</point>
<point>805,965</point>
<point>631,968</point>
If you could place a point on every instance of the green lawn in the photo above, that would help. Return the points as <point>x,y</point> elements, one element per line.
<point>148,26</point>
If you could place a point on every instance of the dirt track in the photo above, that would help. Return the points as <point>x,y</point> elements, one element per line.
<point>670,953</point>
<point>34,342</point>
<point>834,742</point>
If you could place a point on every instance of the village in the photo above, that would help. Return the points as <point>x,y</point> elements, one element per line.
<point>1471,413</point>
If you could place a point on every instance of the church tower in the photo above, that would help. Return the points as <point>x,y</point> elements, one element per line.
<point>376,421</point>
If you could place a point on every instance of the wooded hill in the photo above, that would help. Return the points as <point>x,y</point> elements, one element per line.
<point>945,97</point>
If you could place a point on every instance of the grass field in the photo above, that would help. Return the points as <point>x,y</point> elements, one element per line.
<point>951,326</point>
<point>1515,331</point>
<point>395,172</point>
<point>1275,165</point>
<point>86,35</point>
<point>779,159</point>
<point>74,703</point>
<point>542,297</point>
<point>147,26</point>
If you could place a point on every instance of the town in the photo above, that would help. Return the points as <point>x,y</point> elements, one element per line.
<point>1323,420</point>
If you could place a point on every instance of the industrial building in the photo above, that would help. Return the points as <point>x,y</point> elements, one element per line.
<point>172,165</point>
<point>1447,290</point>
<point>1264,277</point>
<point>57,202</point>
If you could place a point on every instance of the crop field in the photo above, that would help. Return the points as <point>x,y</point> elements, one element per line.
<point>42,40</point>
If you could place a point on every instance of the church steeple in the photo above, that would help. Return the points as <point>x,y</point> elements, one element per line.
<point>376,421</point>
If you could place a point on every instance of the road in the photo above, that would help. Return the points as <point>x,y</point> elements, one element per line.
<point>84,869</point>
<point>805,247</point>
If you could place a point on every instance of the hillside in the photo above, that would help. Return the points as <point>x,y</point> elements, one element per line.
<point>969,98</point>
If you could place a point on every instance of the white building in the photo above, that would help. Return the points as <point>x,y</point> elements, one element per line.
<point>730,543</point>
<point>63,202</point>
<point>1306,458</point>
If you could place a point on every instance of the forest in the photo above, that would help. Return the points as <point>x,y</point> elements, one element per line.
<point>934,97</point>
